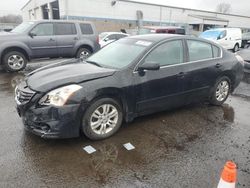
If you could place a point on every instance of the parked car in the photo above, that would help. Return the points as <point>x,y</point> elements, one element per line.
<point>109,37</point>
<point>131,77</point>
<point>229,38</point>
<point>161,29</point>
<point>245,54</point>
<point>245,40</point>
<point>46,39</point>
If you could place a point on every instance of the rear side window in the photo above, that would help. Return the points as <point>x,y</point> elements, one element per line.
<point>169,53</point>
<point>199,50</point>
<point>65,29</point>
<point>216,51</point>
<point>86,29</point>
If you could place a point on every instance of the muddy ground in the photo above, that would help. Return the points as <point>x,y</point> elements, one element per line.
<point>185,147</point>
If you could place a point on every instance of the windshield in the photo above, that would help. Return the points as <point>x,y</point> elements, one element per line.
<point>120,53</point>
<point>22,27</point>
<point>213,34</point>
<point>103,35</point>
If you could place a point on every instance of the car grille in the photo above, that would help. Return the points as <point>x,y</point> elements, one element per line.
<point>23,95</point>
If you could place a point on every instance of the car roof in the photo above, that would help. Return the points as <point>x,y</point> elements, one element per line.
<point>162,27</point>
<point>224,28</point>
<point>59,21</point>
<point>155,37</point>
<point>110,33</point>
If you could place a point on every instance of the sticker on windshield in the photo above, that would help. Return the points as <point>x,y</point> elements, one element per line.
<point>143,43</point>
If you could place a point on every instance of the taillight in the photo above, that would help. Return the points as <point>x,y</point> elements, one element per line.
<point>97,40</point>
<point>240,59</point>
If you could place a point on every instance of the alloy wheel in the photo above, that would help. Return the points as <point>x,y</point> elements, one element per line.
<point>16,62</point>
<point>104,119</point>
<point>84,55</point>
<point>222,90</point>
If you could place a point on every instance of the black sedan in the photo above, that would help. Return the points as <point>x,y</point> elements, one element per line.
<point>132,77</point>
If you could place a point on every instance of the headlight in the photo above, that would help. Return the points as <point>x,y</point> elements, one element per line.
<point>59,97</point>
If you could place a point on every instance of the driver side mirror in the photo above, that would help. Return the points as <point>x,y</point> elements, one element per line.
<point>149,66</point>
<point>32,34</point>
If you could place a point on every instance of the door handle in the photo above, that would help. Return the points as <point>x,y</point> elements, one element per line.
<point>181,75</point>
<point>51,40</point>
<point>218,65</point>
<point>76,38</point>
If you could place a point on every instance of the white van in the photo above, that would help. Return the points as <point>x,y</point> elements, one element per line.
<point>229,38</point>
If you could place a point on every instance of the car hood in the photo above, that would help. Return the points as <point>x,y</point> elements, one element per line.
<point>64,73</point>
<point>8,36</point>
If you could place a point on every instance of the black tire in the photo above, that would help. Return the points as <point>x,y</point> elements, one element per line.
<point>86,128</point>
<point>86,51</point>
<point>213,98</point>
<point>7,67</point>
<point>236,48</point>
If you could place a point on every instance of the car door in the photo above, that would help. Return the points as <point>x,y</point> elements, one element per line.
<point>201,70</point>
<point>42,41</point>
<point>161,89</point>
<point>66,36</point>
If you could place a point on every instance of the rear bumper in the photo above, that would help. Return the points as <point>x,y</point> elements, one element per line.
<point>52,122</point>
<point>247,67</point>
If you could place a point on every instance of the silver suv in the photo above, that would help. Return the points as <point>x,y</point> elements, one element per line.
<point>46,39</point>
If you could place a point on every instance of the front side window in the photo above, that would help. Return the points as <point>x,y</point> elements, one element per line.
<point>216,51</point>
<point>44,29</point>
<point>199,50</point>
<point>86,29</point>
<point>168,53</point>
<point>65,29</point>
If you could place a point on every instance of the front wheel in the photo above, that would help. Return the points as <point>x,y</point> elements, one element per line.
<point>236,48</point>
<point>221,91</point>
<point>102,119</point>
<point>14,61</point>
<point>83,53</point>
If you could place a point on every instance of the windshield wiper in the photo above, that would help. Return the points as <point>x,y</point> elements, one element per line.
<point>94,63</point>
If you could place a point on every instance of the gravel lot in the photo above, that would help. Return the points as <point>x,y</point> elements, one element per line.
<point>185,147</point>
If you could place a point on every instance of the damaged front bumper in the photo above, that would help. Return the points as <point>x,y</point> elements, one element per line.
<point>50,121</point>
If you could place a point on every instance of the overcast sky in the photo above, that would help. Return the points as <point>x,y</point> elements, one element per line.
<point>238,6</point>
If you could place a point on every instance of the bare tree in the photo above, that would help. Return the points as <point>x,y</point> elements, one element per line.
<point>224,8</point>
<point>11,18</point>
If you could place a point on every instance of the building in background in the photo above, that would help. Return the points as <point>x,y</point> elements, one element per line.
<point>113,15</point>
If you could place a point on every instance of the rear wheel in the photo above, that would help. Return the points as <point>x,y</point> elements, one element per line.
<point>83,53</point>
<point>221,91</point>
<point>102,119</point>
<point>14,61</point>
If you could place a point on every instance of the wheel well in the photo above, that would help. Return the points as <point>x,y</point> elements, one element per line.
<point>85,46</point>
<point>18,49</point>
